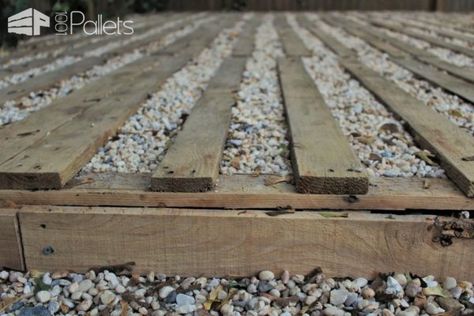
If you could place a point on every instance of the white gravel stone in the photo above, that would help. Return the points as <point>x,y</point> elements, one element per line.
<point>257,143</point>
<point>107,297</point>
<point>266,275</point>
<point>43,296</point>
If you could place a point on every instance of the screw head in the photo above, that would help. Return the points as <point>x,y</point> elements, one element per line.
<point>48,250</point>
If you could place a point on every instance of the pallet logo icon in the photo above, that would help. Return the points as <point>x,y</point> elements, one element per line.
<point>28,22</point>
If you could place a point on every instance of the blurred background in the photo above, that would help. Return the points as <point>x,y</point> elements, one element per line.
<point>112,8</point>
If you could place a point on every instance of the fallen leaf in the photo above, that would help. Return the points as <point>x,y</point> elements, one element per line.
<point>375,157</point>
<point>212,298</point>
<point>124,306</point>
<point>426,157</point>
<point>272,180</point>
<point>435,291</point>
<point>366,140</point>
<point>389,127</point>
<point>455,113</point>
<point>6,302</point>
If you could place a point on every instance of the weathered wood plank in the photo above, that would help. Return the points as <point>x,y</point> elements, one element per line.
<point>18,136</point>
<point>430,129</point>
<point>323,161</point>
<point>46,80</point>
<point>246,42</point>
<point>11,255</point>
<point>246,192</point>
<point>332,43</point>
<point>389,44</point>
<point>192,163</point>
<point>292,44</point>
<point>52,161</point>
<point>427,38</point>
<point>452,84</point>
<point>233,243</point>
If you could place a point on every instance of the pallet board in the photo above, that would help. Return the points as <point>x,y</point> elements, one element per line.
<point>238,243</point>
<point>323,161</point>
<point>39,157</point>
<point>192,163</point>
<point>246,192</point>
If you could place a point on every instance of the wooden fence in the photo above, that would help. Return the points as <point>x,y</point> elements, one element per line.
<point>265,5</point>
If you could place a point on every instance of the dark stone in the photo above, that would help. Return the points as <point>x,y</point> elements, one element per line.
<point>35,311</point>
<point>171,298</point>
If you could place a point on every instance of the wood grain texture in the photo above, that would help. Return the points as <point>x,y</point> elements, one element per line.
<point>233,243</point>
<point>292,44</point>
<point>52,161</point>
<point>427,38</point>
<point>11,255</point>
<point>192,162</point>
<point>431,130</point>
<point>246,192</point>
<point>440,31</point>
<point>397,48</point>
<point>323,161</point>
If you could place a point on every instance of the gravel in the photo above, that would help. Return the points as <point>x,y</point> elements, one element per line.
<point>395,294</point>
<point>16,110</point>
<point>377,137</point>
<point>142,142</point>
<point>257,142</point>
<point>457,110</point>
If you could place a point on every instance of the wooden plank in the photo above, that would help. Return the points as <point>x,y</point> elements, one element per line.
<point>390,45</point>
<point>452,84</point>
<point>11,255</point>
<point>18,136</point>
<point>235,243</point>
<point>292,44</point>
<point>246,42</point>
<point>427,38</point>
<point>192,163</point>
<point>246,192</point>
<point>323,161</point>
<point>46,80</point>
<point>54,160</point>
<point>332,43</point>
<point>431,130</point>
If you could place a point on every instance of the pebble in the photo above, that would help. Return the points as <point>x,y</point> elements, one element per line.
<point>339,296</point>
<point>449,283</point>
<point>266,276</point>
<point>43,296</point>
<point>107,297</point>
<point>85,285</point>
<point>182,299</point>
<point>165,291</point>
<point>85,305</point>
<point>35,311</point>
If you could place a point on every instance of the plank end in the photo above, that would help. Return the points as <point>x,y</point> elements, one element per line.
<point>332,185</point>
<point>168,184</point>
<point>30,181</point>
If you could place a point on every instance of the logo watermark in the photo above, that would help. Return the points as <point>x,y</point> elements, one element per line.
<point>30,21</point>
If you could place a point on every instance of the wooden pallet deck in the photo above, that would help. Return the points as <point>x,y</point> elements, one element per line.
<point>328,213</point>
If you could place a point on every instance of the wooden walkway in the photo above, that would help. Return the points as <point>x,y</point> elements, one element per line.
<point>54,218</point>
